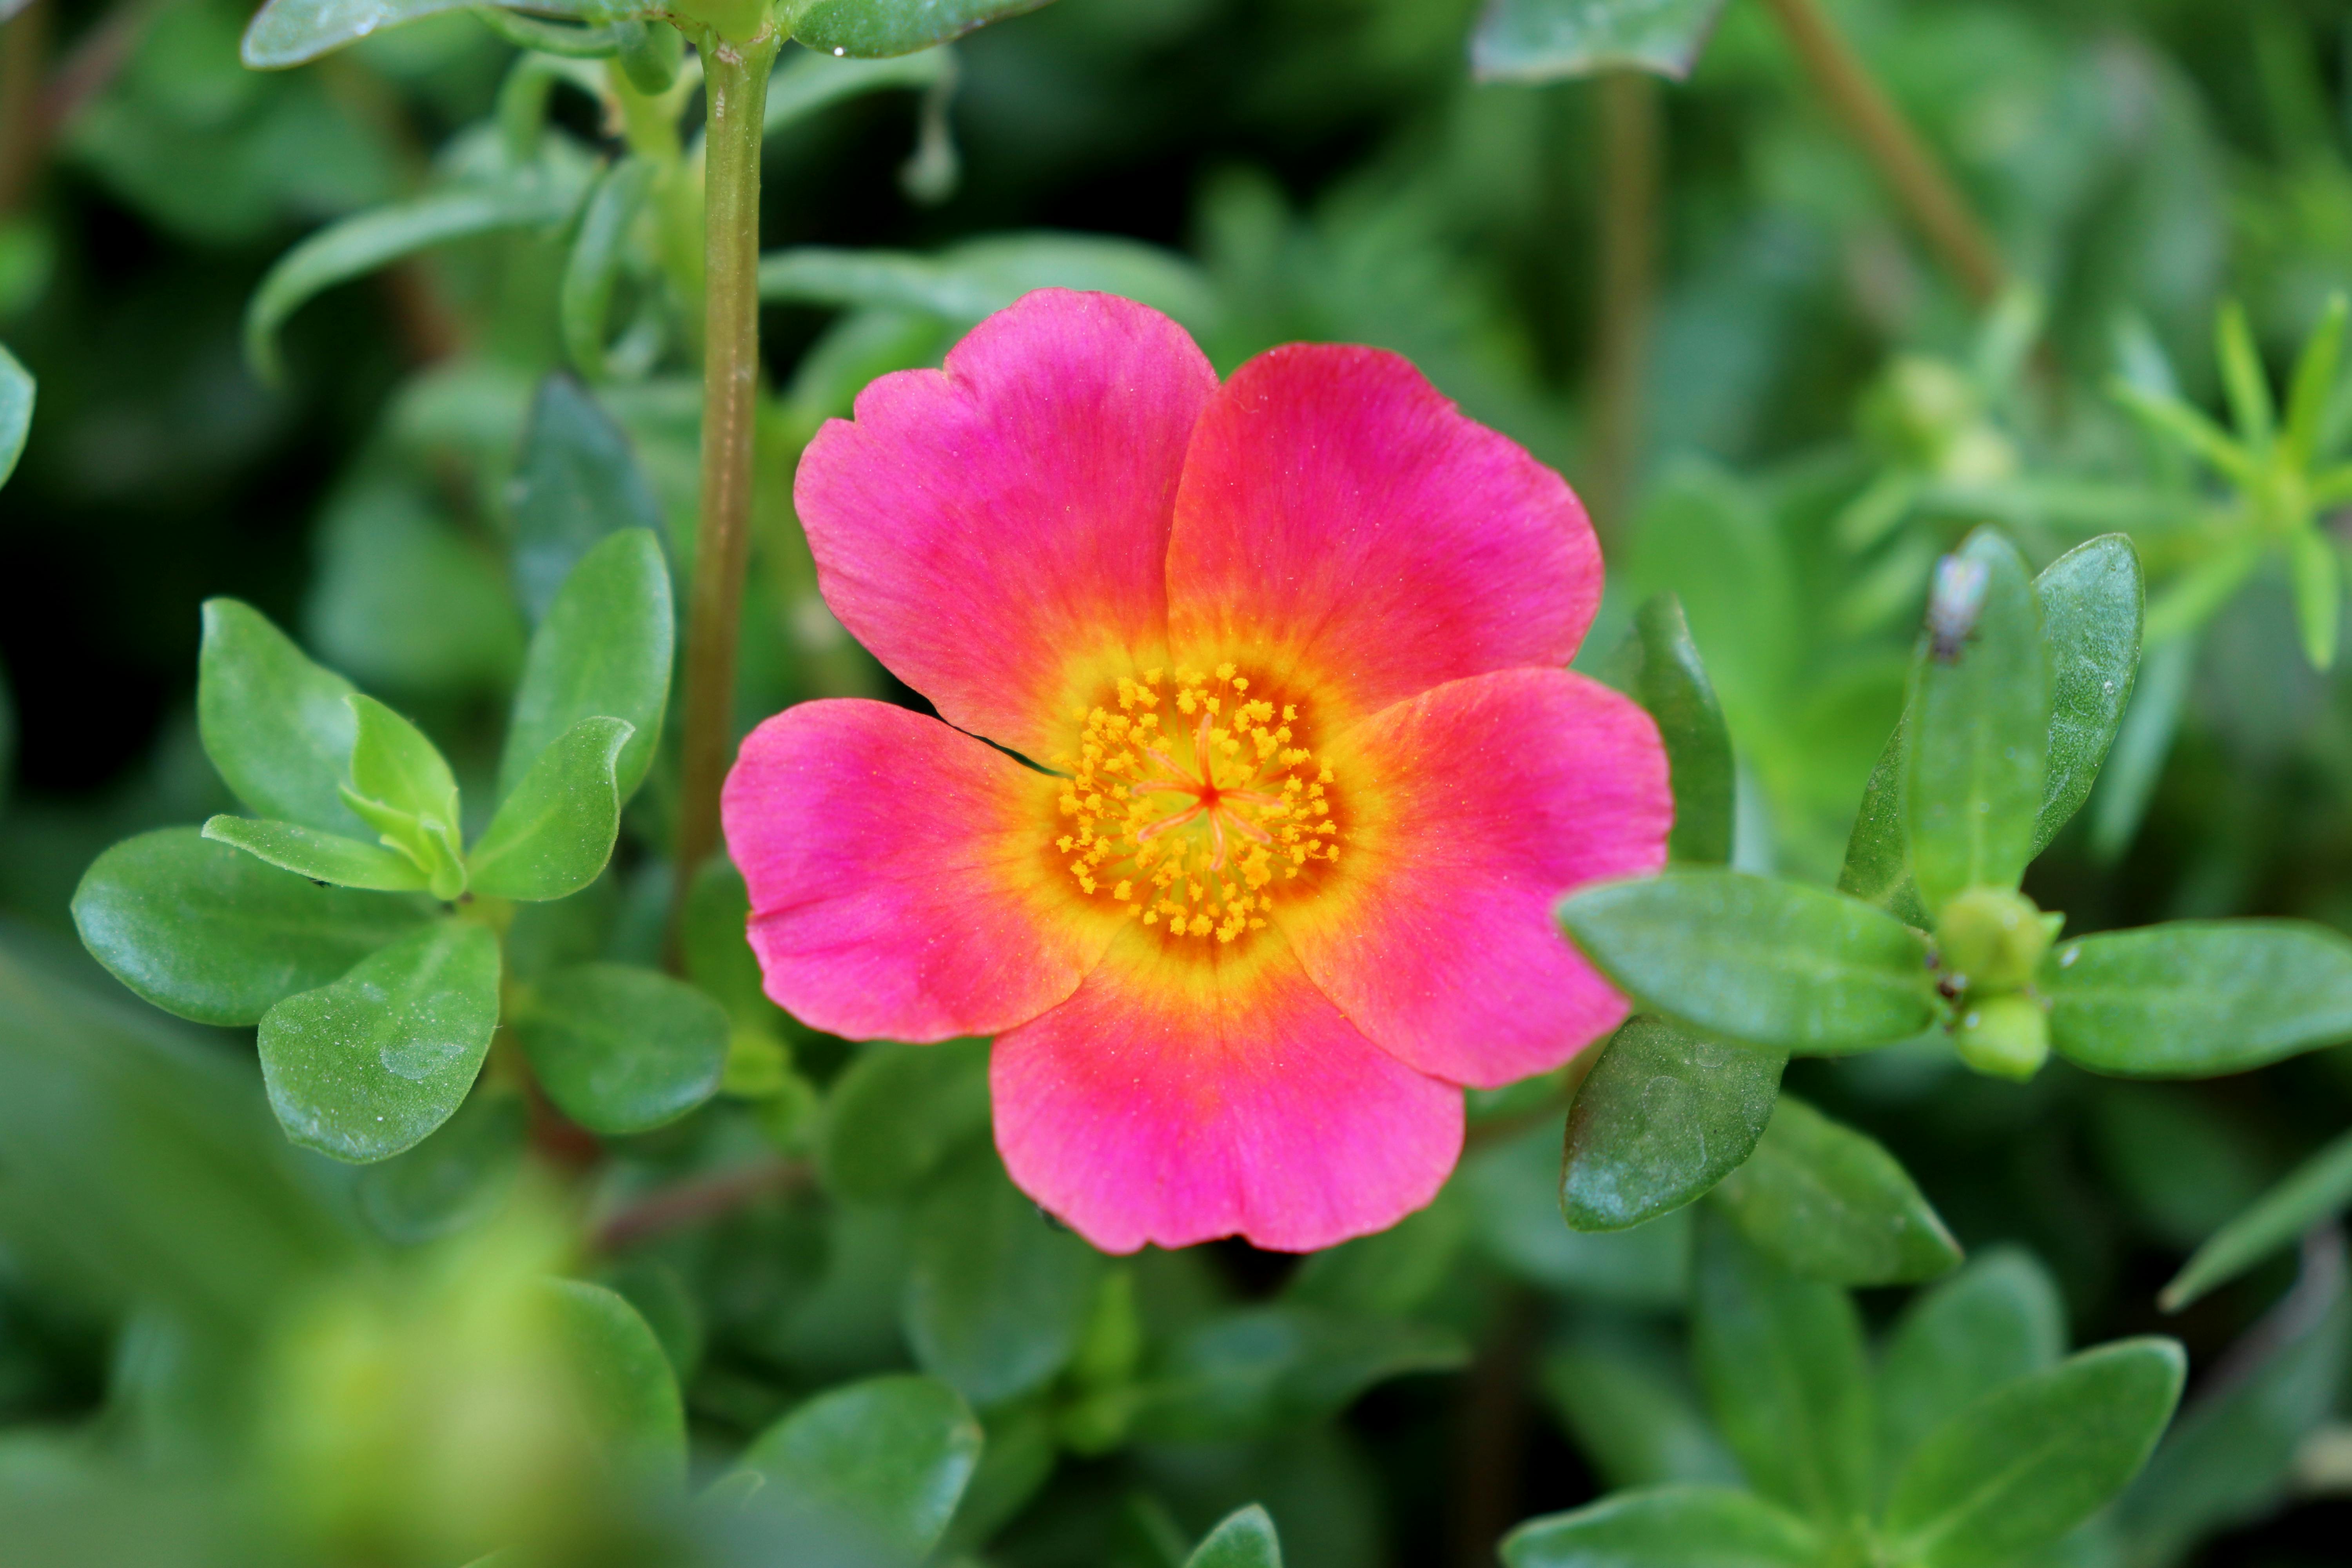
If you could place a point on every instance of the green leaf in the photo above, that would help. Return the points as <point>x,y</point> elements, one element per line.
<point>1833,1205</point>
<point>2312,1194</point>
<point>869,1473</point>
<point>996,1295</point>
<point>1546,40</point>
<point>980,277</point>
<point>212,934</point>
<point>529,198</point>
<point>2142,744</point>
<point>368,1066</point>
<point>1511,1190</point>
<point>2318,593</point>
<point>603,650</point>
<point>2244,381</point>
<point>576,483</point>
<point>716,953</point>
<point>452,1179</point>
<point>403,599</point>
<point>1663,1115</point>
<point>2092,600</point>
<point>553,835</point>
<point>1244,1539</point>
<point>2026,1463</point>
<point>2315,384</point>
<point>1780,1359</point>
<point>1877,867</point>
<point>1667,1527</point>
<point>2233,1457</point>
<point>1995,1320</point>
<point>276,727</point>
<point>2196,998</point>
<point>805,81</point>
<point>288,32</point>
<point>868,28</point>
<point>321,857</point>
<point>1772,963</point>
<point>592,268</point>
<point>2186,427</point>
<point>1980,730</point>
<point>394,765</point>
<point>628,1397</point>
<point>1267,1369</point>
<point>1659,667</point>
<point>897,1113</point>
<point>16,392</point>
<point>622,1049</point>
<point>1624,1393</point>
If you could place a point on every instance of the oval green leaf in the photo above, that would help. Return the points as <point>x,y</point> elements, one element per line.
<point>277,728</point>
<point>1663,1115</point>
<point>1980,730</point>
<point>975,279</point>
<point>288,32</point>
<point>553,835</point>
<point>1667,1527</point>
<point>1246,1538</point>
<point>870,1472</point>
<point>16,394</point>
<point>1780,1359</point>
<point>2196,998</point>
<point>577,483</point>
<point>1767,963</point>
<point>2030,1461</point>
<point>897,1113</point>
<point>603,648</point>
<point>321,857</point>
<point>1833,1205</point>
<point>212,934</point>
<point>1660,669</point>
<point>2092,600</point>
<point>627,1396</point>
<point>868,28</point>
<point>996,1295</point>
<point>359,245</point>
<point>622,1049</point>
<point>1549,40</point>
<point>368,1066</point>
<point>1995,1320</point>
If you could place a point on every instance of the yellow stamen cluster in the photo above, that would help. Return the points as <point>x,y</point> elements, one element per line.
<point>1192,801</point>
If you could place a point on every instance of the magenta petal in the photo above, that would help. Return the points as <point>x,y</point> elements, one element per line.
<point>1179,1096</point>
<point>1491,798</point>
<point>1342,514</point>
<point>898,879</point>
<point>997,531</point>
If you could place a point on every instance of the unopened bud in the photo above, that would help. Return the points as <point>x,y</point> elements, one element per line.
<point>2005,1036</point>
<point>1993,938</point>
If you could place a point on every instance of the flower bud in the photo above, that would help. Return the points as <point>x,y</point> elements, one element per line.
<point>2005,1036</point>
<point>1992,938</point>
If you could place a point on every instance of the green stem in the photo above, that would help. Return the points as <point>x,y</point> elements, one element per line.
<point>1629,223</point>
<point>1909,169</point>
<point>735,81</point>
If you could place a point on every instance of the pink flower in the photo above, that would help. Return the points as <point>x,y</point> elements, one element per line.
<point>1292,646</point>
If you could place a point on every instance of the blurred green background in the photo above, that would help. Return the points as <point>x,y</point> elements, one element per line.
<point>1818,410</point>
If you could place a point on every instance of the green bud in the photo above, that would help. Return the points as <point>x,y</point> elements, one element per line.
<point>1993,938</point>
<point>737,21</point>
<point>2005,1036</point>
<point>652,56</point>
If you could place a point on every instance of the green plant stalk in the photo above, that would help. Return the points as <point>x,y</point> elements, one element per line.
<point>735,77</point>
<point>1910,170</point>
<point>1630,136</point>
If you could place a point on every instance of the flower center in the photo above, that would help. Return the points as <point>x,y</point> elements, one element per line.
<point>1196,802</point>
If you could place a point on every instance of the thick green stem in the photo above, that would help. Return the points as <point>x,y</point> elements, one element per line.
<point>1904,162</point>
<point>1629,224</point>
<point>735,80</point>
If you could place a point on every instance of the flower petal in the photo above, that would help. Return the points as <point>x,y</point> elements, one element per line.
<point>1339,512</point>
<point>1479,805</point>
<point>997,531</point>
<point>1182,1096</point>
<point>900,876</point>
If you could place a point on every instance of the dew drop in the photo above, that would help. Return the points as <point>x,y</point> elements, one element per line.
<point>838,52</point>
<point>2109,687</point>
<point>2066,959</point>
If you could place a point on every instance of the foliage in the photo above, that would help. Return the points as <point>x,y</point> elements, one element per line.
<point>473,1205</point>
